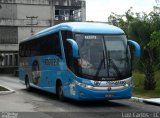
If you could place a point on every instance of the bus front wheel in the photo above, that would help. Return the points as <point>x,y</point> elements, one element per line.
<point>28,87</point>
<point>60,91</point>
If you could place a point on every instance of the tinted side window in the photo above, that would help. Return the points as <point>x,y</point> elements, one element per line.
<point>46,45</point>
<point>56,43</point>
<point>50,45</point>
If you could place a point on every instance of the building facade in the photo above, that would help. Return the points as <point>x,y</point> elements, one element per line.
<point>22,18</point>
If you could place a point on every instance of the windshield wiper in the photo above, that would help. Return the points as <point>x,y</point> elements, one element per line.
<point>100,66</point>
<point>115,68</point>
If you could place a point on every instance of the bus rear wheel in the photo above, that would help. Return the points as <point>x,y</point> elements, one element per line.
<point>60,91</point>
<point>28,87</point>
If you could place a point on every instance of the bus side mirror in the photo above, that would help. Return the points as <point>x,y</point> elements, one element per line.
<point>74,47</point>
<point>137,48</point>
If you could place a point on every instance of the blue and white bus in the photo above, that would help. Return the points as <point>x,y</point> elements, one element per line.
<point>79,60</point>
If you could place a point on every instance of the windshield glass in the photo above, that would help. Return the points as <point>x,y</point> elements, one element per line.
<point>103,57</point>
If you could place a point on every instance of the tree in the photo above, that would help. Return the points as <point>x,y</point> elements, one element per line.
<point>155,36</point>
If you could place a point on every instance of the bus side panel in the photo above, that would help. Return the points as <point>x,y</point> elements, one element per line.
<point>65,82</point>
<point>23,69</point>
<point>22,74</point>
<point>35,71</point>
<point>68,86</point>
<point>43,72</point>
<point>50,72</point>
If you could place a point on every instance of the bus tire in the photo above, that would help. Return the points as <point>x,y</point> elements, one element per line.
<point>59,92</point>
<point>28,87</point>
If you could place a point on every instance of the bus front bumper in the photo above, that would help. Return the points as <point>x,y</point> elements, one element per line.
<point>87,94</point>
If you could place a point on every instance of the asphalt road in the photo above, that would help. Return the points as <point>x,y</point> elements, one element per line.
<point>41,104</point>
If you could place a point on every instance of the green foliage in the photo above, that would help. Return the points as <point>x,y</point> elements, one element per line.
<point>155,42</point>
<point>138,83</point>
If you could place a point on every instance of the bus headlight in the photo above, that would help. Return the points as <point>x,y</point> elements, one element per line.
<point>83,85</point>
<point>130,82</point>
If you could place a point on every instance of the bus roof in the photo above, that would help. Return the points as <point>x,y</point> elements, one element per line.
<point>85,27</point>
<point>81,27</point>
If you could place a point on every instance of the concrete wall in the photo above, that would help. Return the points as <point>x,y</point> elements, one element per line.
<point>14,15</point>
<point>23,22</point>
<point>35,2</point>
<point>25,32</point>
<point>8,11</point>
<point>9,47</point>
<point>43,12</point>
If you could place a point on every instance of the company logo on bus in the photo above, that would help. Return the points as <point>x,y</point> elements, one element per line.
<point>109,83</point>
<point>52,61</point>
<point>116,83</point>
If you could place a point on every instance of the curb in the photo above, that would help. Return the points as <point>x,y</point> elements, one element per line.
<point>151,101</point>
<point>6,92</point>
<point>142,100</point>
<point>136,99</point>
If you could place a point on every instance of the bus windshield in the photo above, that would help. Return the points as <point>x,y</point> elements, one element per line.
<point>103,57</point>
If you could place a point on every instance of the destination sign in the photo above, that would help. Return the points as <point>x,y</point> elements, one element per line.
<point>90,37</point>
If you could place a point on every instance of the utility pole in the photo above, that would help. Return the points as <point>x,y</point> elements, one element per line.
<point>31,24</point>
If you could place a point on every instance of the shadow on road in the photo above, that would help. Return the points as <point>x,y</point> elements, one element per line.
<point>50,96</point>
<point>150,103</point>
